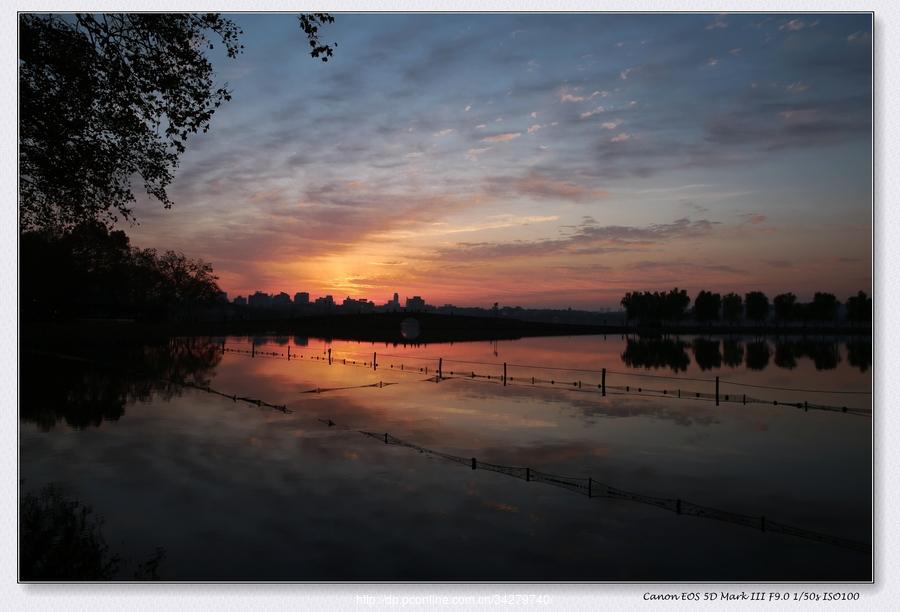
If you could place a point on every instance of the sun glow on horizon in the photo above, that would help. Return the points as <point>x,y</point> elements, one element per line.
<point>537,173</point>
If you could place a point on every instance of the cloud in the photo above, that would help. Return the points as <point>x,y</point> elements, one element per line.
<point>591,113</point>
<point>444,132</point>
<point>536,185</point>
<point>569,97</point>
<point>588,238</point>
<point>797,87</point>
<point>778,263</point>
<point>621,137</point>
<point>682,268</point>
<point>505,137</point>
<point>795,25</point>
<point>573,94</point>
<point>752,218</point>
<point>493,222</point>
<point>534,128</point>
<point>611,125</point>
<point>468,108</point>
<point>534,115</point>
<point>859,37</point>
<point>801,125</point>
<point>624,74</point>
<point>694,206</point>
<point>473,153</point>
<point>718,23</point>
<point>254,245</point>
<point>712,61</point>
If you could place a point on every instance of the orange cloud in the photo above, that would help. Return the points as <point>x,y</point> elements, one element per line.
<point>505,137</point>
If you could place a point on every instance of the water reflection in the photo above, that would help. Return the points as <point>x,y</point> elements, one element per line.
<point>656,353</point>
<point>732,353</point>
<point>758,354</point>
<point>163,474</point>
<point>706,353</point>
<point>754,354</point>
<point>859,354</point>
<point>96,384</point>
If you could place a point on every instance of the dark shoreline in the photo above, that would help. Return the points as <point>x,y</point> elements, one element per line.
<point>386,327</point>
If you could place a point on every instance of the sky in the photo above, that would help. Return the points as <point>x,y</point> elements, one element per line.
<point>533,159</point>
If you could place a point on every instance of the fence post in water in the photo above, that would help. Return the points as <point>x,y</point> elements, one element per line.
<point>677,506</point>
<point>527,474</point>
<point>223,346</point>
<point>289,352</point>
<point>329,355</point>
<point>603,382</point>
<point>762,523</point>
<point>385,438</point>
<point>440,367</point>
<point>253,348</point>
<point>717,390</point>
<point>474,463</point>
<point>374,359</point>
<point>590,481</point>
<point>504,373</point>
<point>745,398</point>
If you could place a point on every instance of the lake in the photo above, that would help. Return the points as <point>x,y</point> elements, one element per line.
<point>289,489</point>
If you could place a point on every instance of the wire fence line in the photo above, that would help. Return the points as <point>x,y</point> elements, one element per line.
<point>584,486</point>
<point>596,489</point>
<point>692,396</point>
<point>441,373</point>
<point>570,369</point>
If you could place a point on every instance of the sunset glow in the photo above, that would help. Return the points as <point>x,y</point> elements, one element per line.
<point>535,160</point>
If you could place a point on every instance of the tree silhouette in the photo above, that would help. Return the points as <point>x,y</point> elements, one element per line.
<point>859,308</point>
<point>824,307</point>
<point>757,305</point>
<point>108,98</point>
<point>706,306</point>
<point>784,306</point>
<point>91,271</point>
<point>676,303</point>
<point>732,305</point>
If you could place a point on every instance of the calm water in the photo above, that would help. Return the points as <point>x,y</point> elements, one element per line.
<point>233,490</point>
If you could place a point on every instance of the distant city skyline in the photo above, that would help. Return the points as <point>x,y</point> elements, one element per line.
<point>541,160</point>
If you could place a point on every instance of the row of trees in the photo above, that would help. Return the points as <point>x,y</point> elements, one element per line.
<point>90,271</point>
<point>674,305</point>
